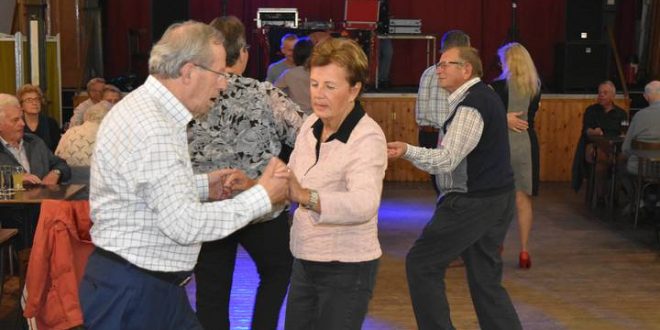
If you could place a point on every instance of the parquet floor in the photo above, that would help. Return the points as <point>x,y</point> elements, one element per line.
<point>587,273</point>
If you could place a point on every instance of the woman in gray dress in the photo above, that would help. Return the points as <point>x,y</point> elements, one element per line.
<point>519,88</point>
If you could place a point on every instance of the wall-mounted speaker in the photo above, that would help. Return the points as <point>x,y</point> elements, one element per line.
<point>581,66</point>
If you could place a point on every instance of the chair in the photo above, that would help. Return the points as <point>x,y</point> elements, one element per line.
<point>648,173</point>
<point>6,237</point>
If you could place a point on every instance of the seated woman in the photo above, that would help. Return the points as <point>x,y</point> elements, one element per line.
<point>77,144</point>
<point>338,165</point>
<point>295,81</point>
<point>36,122</point>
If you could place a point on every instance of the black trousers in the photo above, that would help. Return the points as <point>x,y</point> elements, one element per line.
<point>268,245</point>
<point>473,228</point>
<point>429,140</point>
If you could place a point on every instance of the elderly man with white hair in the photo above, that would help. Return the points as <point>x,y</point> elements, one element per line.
<point>645,125</point>
<point>149,210</point>
<point>95,88</point>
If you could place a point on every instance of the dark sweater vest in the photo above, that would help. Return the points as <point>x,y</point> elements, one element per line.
<point>489,163</point>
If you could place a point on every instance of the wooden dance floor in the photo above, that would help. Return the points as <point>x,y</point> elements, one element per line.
<point>588,271</point>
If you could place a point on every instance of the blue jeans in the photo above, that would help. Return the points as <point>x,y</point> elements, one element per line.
<point>329,295</point>
<point>119,296</point>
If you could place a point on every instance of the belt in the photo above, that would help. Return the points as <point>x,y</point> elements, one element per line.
<point>176,278</point>
<point>429,129</point>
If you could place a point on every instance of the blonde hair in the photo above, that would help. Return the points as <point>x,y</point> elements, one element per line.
<point>28,88</point>
<point>518,69</point>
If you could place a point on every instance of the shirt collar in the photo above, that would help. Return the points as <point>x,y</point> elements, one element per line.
<point>459,93</point>
<point>171,105</point>
<point>7,145</point>
<point>346,127</point>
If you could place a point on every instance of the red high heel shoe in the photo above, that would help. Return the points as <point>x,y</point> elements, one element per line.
<point>524,260</point>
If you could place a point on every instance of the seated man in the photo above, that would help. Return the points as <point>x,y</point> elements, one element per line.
<point>30,152</point>
<point>644,127</point>
<point>600,119</point>
<point>95,92</point>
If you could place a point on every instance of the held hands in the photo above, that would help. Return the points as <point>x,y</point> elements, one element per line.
<point>396,149</point>
<point>223,183</point>
<point>275,179</point>
<point>595,131</point>
<point>515,123</point>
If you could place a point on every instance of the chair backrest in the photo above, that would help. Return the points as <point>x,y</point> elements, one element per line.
<point>645,145</point>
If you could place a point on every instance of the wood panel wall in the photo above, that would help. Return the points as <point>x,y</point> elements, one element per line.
<point>396,116</point>
<point>558,125</point>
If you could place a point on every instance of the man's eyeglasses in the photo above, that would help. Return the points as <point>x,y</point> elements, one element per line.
<point>444,65</point>
<point>219,74</point>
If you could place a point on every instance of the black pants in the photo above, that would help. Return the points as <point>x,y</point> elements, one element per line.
<point>268,245</point>
<point>429,140</point>
<point>473,228</point>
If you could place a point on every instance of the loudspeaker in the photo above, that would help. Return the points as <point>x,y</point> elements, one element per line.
<point>585,21</point>
<point>581,66</point>
<point>166,12</point>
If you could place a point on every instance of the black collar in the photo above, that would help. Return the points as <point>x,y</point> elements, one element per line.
<point>346,127</point>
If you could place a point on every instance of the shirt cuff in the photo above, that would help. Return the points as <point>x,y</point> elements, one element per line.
<point>258,198</point>
<point>202,184</point>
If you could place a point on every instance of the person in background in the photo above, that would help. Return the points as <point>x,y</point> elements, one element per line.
<point>431,108</point>
<point>600,119</point>
<point>385,49</point>
<point>519,89</point>
<point>244,129</point>
<point>40,164</point>
<point>287,43</point>
<point>36,122</point>
<point>111,94</point>
<point>295,81</point>
<point>318,37</point>
<point>338,165</point>
<point>645,126</point>
<point>95,92</point>
<point>476,202</point>
<point>77,143</point>
<point>149,209</point>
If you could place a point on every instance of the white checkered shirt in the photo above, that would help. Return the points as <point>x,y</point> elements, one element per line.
<point>463,135</point>
<point>145,200</point>
<point>432,108</point>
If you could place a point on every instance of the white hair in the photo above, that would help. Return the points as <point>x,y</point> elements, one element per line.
<point>7,100</point>
<point>183,43</point>
<point>96,112</point>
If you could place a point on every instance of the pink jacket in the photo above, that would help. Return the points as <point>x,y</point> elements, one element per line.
<point>59,254</point>
<point>349,179</point>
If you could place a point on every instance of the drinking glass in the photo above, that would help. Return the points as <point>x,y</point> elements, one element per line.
<point>17,174</point>
<point>5,181</point>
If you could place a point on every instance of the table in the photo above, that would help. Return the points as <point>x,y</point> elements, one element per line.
<point>430,47</point>
<point>37,194</point>
<point>24,205</point>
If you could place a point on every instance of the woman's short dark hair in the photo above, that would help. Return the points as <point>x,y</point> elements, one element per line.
<point>234,31</point>
<point>302,50</point>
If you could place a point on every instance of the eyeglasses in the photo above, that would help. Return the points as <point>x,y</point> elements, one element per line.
<point>444,65</point>
<point>219,74</point>
<point>31,100</point>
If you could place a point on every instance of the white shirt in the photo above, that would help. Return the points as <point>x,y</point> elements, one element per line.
<point>144,197</point>
<point>19,153</point>
<point>432,108</point>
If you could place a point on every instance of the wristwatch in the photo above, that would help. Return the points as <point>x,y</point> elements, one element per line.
<point>313,200</point>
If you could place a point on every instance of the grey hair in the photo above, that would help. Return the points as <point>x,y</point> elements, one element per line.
<point>608,83</point>
<point>182,43</point>
<point>94,81</point>
<point>7,100</point>
<point>454,38</point>
<point>96,112</point>
<point>652,88</point>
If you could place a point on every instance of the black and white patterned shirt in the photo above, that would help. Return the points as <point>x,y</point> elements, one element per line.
<point>145,200</point>
<point>245,128</point>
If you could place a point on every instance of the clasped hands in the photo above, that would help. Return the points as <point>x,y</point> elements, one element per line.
<point>280,184</point>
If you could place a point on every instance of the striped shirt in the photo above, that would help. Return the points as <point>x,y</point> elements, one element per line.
<point>462,136</point>
<point>145,200</point>
<point>432,108</point>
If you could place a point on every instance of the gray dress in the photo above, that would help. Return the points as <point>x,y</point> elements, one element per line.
<point>521,153</point>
